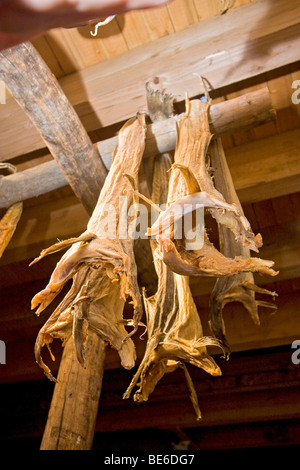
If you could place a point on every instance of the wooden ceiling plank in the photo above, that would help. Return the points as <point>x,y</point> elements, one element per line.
<point>158,22</point>
<point>182,13</point>
<point>273,163</point>
<point>225,49</point>
<point>133,29</point>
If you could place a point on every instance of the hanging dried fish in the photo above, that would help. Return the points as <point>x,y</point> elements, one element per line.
<point>175,335</point>
<point>101,263</point>
<point>239,287</point>
<point>192,173</point>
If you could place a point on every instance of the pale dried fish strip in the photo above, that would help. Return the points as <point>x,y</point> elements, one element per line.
<point>102,267</point>
<point>239,287</point>
<point>191,151</point>
<point>189,170</point>
<point>175,334</point>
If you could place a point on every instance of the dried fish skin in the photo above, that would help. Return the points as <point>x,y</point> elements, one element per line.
<point>192,146</point>
<point>208,261</point>
<point>241,286</point>
<point>103,270</point>
<point>189,173</point>
<point>174,329</point>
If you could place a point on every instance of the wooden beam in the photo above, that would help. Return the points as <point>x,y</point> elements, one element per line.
<point>244,43</point>
<point>238,114</point>
<point>46,105</point>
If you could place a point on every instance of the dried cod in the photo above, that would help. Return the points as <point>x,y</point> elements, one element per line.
<point>240,287</point>
<point>175,335</point>
<point>190,179</point>
<point>101,263</point>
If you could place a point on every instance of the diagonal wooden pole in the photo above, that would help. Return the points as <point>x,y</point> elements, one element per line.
<point>74,406</point>
<point>36,89</point>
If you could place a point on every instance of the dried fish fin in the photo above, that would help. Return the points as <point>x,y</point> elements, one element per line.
<point>234,289</point>
<point>64,244</point>
<point>193,143</point>
<point>190,179</point>
<point>251,286</point>
<point>193,394</point>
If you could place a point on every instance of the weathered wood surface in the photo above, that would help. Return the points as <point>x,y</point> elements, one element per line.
<point>267,167</point>
<point>21,68</point>
<point>226,49</point>
<point>238,114</point>
<point>74,406</point>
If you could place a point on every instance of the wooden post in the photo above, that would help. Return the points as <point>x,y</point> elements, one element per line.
<point>74,406</point>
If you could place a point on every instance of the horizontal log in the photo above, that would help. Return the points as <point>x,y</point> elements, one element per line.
<point>246,42</point>
<point>241,113</point>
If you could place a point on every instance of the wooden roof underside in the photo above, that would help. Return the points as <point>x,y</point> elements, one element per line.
<point>104,79</point>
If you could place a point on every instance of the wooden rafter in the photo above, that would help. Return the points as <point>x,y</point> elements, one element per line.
<point>227,117</point>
